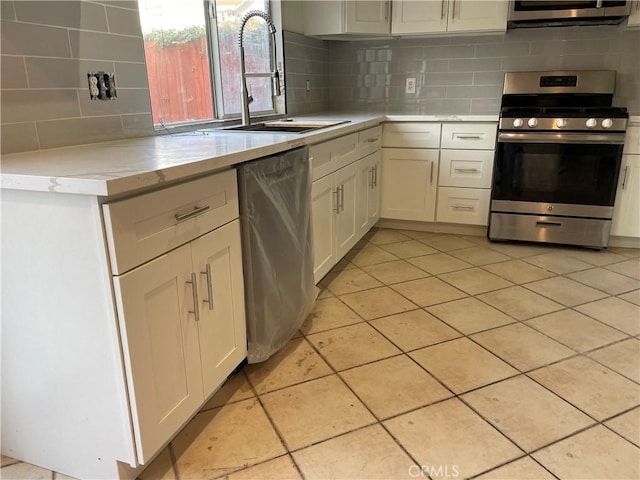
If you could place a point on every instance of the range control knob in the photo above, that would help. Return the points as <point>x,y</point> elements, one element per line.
<point>561,123</point>
<point>533,122</point>
<point>607,123</point>
<point>518,122</point>
<point>591,123</point>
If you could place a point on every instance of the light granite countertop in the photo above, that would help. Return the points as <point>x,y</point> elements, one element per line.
<point>124,166</point>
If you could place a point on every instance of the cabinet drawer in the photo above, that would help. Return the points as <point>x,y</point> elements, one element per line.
<point>632,140</point>
<point>411,135</point>
<point>463,205</point>
<point>144,227</point>
<point>480,136</point>
<point>369,141</point>
<point>466,168</point>
<point>329,156</point>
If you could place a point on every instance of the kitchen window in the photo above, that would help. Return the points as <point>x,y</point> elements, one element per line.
<point>193,60</point>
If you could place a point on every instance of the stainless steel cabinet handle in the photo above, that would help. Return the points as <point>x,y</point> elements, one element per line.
<point>372,139</point>
<point>207,273</point>
<point>453,9</point>
<point>194,292</point>
<point>466,170</point>
<point>431,174</point>
<point>336,192</point>
<point>469,137</point>
<point>624,179</point>
<point>386,9</point>
<point>463,207</point>
<point>342,198</point>
<point>375,175</point>
<point>196,211</point>
<point>442,10</point>
<point>370,174</point>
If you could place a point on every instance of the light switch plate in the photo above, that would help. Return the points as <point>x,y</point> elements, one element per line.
<point>410,85</point>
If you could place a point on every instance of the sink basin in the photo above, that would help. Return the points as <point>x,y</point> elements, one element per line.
<point>286,126</point>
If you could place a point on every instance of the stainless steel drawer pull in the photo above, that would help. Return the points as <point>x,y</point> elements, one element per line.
<point>207,272</point>
<point>194,292</point>
<point>431,174</point>
<point>463,207</point>
<point>467,170</point>
<point>342,198</point>
<point>375,175</point>
<point>372,139</point>
<point>469,137</point>
<point>196,211</point>
<point>336,192</point>
<point>548,224</point>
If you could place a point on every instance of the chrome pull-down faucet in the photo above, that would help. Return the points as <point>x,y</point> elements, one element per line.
<point>247,98</point>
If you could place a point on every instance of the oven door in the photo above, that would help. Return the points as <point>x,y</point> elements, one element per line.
<point>574,174</point>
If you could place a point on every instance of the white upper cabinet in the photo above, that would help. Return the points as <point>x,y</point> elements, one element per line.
<point>356,17</point>
<point>451,16</point>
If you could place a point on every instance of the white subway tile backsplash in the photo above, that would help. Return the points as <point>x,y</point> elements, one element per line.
<point>62,73</point>
<point>137,125</point>
<point>73,14</point>
<point>36,104</point>
<point>38,40</point>
<point>129,100</point>
<point>126,22</point>
<point>12,72</point>
<point>131,5</point>
<point>7,12</point>
<point>19,137</point>
<point>91,45</point>
<point>487,91</point>
<point>76,131</point>
<point>474,65</point>
<point>131,75</point>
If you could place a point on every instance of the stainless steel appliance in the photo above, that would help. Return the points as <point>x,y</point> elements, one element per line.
<point>558,157</point>
<point>535,13</point>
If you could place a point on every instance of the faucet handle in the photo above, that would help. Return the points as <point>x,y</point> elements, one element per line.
<point>249,95</point>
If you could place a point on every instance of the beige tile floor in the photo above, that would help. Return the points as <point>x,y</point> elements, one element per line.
<point>436,355</point>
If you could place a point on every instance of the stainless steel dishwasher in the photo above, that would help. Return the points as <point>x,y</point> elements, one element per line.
<point>275,214</point>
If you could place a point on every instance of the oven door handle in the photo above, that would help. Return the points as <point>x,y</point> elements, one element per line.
<point>577,138</point>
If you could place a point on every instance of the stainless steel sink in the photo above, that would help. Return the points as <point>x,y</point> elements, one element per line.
<point>286,126</point>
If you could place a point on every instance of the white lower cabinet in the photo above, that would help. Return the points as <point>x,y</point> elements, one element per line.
<point>183,323</point>
<point>626,212</point>
<point>409,184</point>
<point>463,205</point>
<point>335,223</point>
<point>368,209</point>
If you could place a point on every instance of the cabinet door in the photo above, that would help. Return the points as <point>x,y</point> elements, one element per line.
<point>477,16</point>
<point>365,186</point>
<point>346,180</point>
<point>367,16</point>
<point>373,197</point>
<point>419,16</point>
<point>217,261</point>
<point>160,347</point>
<point>626,212</point>
<point>323,206</point>
<point>409,182</point>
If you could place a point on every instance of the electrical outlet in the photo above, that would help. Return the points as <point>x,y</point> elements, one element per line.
<point>102,86</point>
<point>410,85</point>
<point>308,85</point>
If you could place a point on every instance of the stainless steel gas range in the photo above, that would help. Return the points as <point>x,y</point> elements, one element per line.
<point>558,157</point>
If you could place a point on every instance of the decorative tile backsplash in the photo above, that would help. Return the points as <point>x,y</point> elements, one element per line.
<point>464,74</point>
